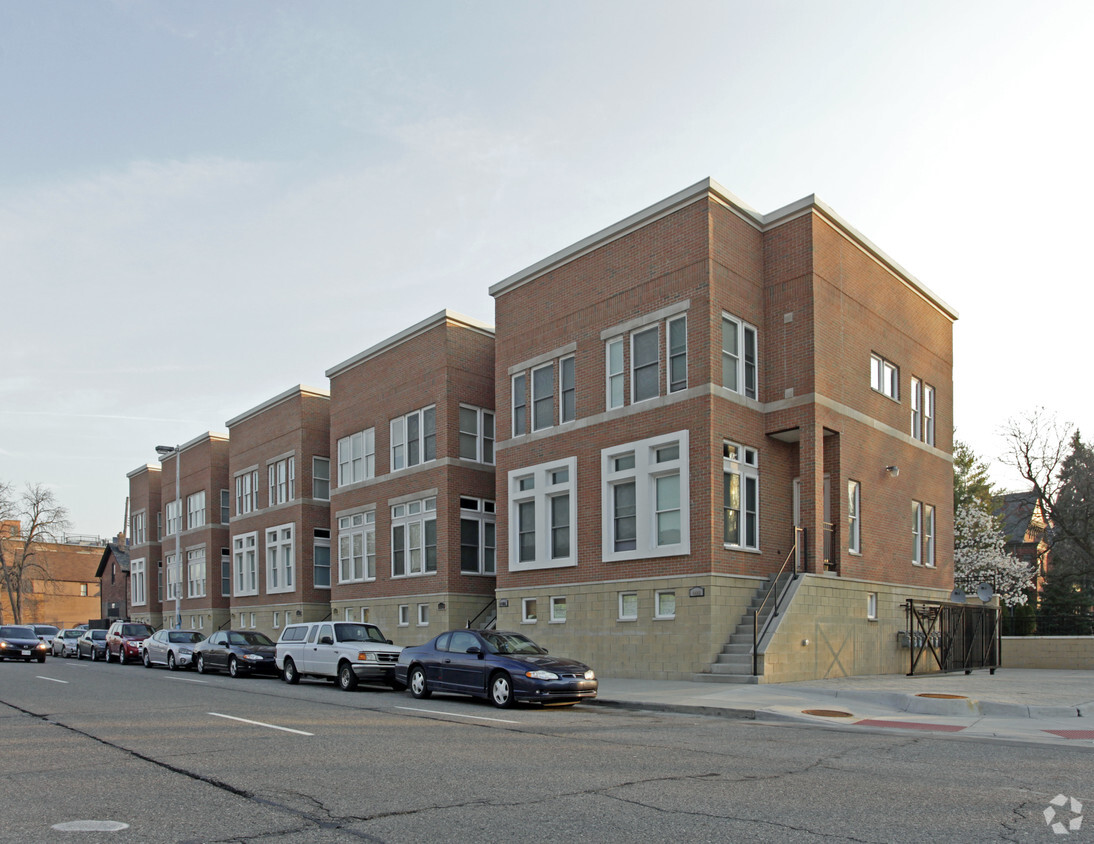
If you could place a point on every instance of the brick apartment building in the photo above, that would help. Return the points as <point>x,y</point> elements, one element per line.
<point>412,499</point>
<point>198,520</point>
<point>669,413</point>
<point>280,521</point>
<point>145,565</point>
<point>679,392</point>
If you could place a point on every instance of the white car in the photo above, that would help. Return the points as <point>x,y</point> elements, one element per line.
<point>64,643</point>
<point>173,648</point>
<point>342,650</point>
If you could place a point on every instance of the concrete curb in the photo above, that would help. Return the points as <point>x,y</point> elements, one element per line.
<point>679,708</point>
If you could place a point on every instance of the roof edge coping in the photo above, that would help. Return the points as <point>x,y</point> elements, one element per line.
<point>292,392</point>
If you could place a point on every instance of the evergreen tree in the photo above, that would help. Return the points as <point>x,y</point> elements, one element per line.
<point>970,479</point>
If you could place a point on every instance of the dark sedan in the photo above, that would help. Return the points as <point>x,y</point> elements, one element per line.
<point>501,667</point>
<point>93,644</point>
<point>237,652</point>
<point>20,642</point>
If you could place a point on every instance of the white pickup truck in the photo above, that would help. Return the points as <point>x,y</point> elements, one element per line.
<point>340,650</point>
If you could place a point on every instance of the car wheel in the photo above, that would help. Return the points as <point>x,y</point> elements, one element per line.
<point>201,663</point>
<point>416,683</point>
<point>106,653</point>
<point>289,674</point>
<point>501,690</point>
<point>121,655</point>
<point>42,658</point>
<point>171,661</point>
<point>79,654</point>
<point>94,658</point>
<point>147,660</point>
<point>233,667</point>
<point>347,677</point>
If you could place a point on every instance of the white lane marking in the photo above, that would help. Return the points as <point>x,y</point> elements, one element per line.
<point>51,679</point>
<point>456,715</point>
<point>260,724</point>
<point>186,680</point>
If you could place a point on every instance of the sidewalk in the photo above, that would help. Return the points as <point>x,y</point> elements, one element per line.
<point>1023,704</point>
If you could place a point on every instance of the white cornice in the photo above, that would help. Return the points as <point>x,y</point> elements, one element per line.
<point>439,318</point>
<point>708,188</point>
<point>291,393</point>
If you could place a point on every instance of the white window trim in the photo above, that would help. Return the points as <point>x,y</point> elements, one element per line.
<point>644,474</point>
<point>929,527</point>
<point>668,353</point>
<point>484,514</point>
<point>610,374</point>
<point>917,533</point>
<point>525,616</point>
<point>657,614</point>
<point>423,615</point>
<point>196,587</point>
<point>195,510</point>
<point>276,568</point>
<point>317,477</point>
<point>656,329</point>
<point>563,419</point>
<point>743,328</point>
<point>173,516</point>
<point>349,472</point>
<point>139,527</point>
<point>138,577</point>
<point>483,454</point>
<point>549,398</point>
<point>854,528</point>
<point>404,615</point>
<point>521,379</point>
<point>554,600</point>
<point>426,512</point>
<point>884,377</point>
<point>246,492</point>
<point>746,471</point>
<point>402,439</point>
<point>622,598</point>
<point>363,523</point>
<point>871,606</point>
<point>541,495</point>
<point>242,572</point>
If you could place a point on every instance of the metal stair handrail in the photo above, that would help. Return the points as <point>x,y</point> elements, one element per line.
<point>757,633</point>
<point>471,621</point>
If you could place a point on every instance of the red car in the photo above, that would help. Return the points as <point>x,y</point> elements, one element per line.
<point>123,640</point>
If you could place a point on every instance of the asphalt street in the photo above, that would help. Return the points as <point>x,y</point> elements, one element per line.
<point>174,756</point>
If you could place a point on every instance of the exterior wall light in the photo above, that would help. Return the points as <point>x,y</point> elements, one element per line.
<point>894,471</point>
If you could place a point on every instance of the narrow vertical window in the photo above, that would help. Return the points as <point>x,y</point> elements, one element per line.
<point>543,399</point>
<point>917,417</point>
<point>560,526</point>
<point>320,478</point>
<point>567,409</point>
<point>520,405</point>
<point>917,533</point>
<point>644,363</point>
<point>614,351</point>
<point>623,516</point>
<point>928,535</point>
<point>928,414</point>
<point>854,522</point>
<point>526,531</point>
<point>678,354</point>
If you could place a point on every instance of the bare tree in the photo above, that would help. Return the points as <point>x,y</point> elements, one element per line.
<point>41,519</point>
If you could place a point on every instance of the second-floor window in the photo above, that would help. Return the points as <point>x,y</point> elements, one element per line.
<point>137,580</point>
<point>195,510</point>
<point>477,536</point>
<point>245,562</point>
<point>320,478</point>
<point>414,439</point>
<point>922,401</point>
<point>173,511</point>
<point>357,457</point>
<point>246,492</point>
<point>414,538</point>
<point>280,558</point>
<point>476,434</point>
<point>282,480</point>
<point>195,573</point>
<point>139,528</point>
<point>357,547</point>
<point>738,356</point>
<point>884,377</point>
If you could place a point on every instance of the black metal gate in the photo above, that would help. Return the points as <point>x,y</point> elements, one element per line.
<point>959,637</point>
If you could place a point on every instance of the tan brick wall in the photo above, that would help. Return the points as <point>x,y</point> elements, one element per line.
<point>384,613</point>
<point>829,613</point>
<point>1071,653</point>
<point>664,649</point>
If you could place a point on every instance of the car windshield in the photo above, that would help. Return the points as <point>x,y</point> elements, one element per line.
<point>184,637</point>
<point>46,630</point>
<point>248,638</point>
<point>509,643</point>
<point>358,633</point>
<point>17,633</point>
<point>136,630</point>
<point>72,634</point>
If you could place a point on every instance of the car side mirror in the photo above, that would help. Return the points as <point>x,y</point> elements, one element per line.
<point>389,641</point>
<point>326,640</point>
<point>544,650</point>
<point>474,649</point>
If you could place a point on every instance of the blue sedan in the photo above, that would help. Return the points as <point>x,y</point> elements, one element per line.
<point>501,667</point>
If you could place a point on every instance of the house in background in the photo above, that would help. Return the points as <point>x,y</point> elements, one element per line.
<point>60,584</point>
<point>412,500</point>
<point>698,396</point>
<point>114,577</point>
<point>1023,525</point>
<point>279,495</point>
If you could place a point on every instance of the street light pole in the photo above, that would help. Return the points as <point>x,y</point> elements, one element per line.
<point>165,450</point>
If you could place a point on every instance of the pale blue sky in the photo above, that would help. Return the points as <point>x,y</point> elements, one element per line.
<point>203,204</point>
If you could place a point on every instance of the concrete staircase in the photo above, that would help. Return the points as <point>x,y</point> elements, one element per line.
<point>734,663</point>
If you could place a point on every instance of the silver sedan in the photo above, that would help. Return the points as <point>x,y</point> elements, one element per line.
<point>64,643</point>
<point>173,648</point>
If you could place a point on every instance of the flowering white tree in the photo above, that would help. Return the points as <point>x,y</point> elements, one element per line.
<point>978,556</point>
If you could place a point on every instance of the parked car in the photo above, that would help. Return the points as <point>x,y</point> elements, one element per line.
<point>64,643</point>
<point>124,638</point>
<point>19,641</point>
<point>502,667</point>
<point>173,648</point>
<point>343,650</point>
<point>45,633</point>
<point>237,652</point>
<point>92,643</point>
